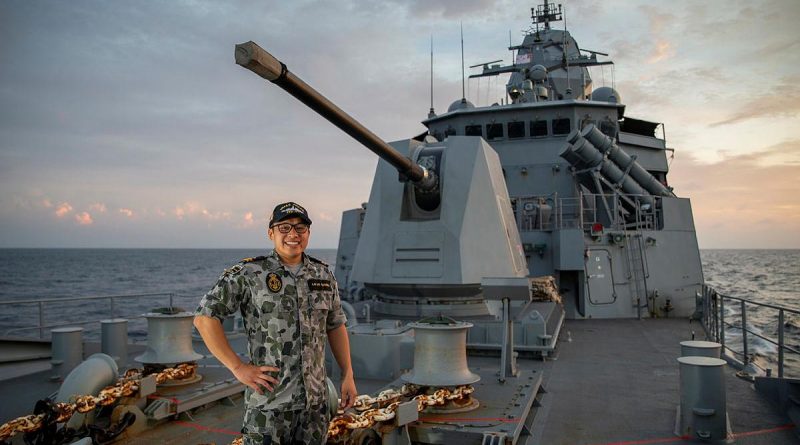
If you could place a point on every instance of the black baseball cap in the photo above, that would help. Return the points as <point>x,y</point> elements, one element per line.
<point>288,210</point>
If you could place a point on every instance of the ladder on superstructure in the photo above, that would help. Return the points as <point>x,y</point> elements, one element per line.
<point>637,270</point>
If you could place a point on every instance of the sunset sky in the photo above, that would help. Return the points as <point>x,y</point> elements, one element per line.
<point>127,124</point>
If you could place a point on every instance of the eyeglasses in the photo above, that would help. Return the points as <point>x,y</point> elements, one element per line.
<point>285,228</point>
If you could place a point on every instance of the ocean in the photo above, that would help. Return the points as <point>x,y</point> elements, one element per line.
<point>770,276</point>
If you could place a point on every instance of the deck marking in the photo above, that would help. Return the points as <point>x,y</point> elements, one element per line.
<point>197,426</point>
<point>764,431</point>
<point>687,438</point>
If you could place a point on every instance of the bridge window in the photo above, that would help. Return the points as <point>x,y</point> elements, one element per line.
<point>538,129</point>
<point>473,130</point>
<point>516,130</point>
<point>494,131</point>
<point>562,126</point>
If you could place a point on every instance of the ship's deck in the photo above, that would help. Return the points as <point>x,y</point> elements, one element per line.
<point>617,382</point>
<point>611,382</point>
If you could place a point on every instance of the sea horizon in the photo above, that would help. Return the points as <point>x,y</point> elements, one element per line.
<point>309,248</point>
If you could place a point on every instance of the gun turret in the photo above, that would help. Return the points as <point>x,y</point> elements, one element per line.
<point>259,61</point>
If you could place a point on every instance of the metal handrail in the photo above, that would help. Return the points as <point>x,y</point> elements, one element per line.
<point>41,326</point>
<point>570,212</point>
<point>714,323</point>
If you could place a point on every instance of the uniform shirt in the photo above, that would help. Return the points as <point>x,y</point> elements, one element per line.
<point>286,318</point>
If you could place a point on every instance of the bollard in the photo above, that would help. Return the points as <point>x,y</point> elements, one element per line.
<point>67,350</point>
<point>440,354</point>
<point>698,348</point>
<point>702,413</point>
<point>169,339</point>
<point>114,340</point>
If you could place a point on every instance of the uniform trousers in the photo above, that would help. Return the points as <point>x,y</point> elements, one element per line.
<point>272,427</point>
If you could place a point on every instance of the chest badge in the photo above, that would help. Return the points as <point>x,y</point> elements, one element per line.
<point>274,282</point>
<point>319,285</point>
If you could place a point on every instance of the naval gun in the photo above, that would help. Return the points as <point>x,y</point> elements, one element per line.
<point>431,237</point>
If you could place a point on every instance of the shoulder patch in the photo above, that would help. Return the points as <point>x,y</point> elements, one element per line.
<point>250,260</point>
<point>233,270</point>
<point>317,260</point>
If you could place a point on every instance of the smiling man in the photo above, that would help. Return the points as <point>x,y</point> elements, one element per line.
<point>290,304</point>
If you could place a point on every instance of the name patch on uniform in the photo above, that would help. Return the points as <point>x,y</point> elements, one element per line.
<point>274,282</point>
<point>314,284</point>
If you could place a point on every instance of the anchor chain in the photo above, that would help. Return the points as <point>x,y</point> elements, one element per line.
<point>371,412</point>
<point>126,386</point>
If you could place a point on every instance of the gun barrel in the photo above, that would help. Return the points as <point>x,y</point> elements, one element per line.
<point>256,59</point>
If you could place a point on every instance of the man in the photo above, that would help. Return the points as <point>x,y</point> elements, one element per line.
<point>290,303</point>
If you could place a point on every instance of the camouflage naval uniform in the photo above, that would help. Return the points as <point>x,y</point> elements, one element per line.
<point>287,319</point>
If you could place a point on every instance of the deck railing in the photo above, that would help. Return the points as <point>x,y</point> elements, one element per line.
<point>716,322</point>
<point>43,307</point>
<point>549,212</point>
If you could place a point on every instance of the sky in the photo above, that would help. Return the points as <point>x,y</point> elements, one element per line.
<point>128,124</point>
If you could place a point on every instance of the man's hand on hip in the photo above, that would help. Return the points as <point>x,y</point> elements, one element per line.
<point>256,377</point>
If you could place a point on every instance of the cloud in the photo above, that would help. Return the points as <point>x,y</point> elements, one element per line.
<point>179,212</point>
<point>84,219</point>
<point>215,215</point>
<point>98,207</point>
<point>63,209</point>
<point>247,220</point>
<point>198,210</point>
<point>46,203</point>
<point>782,101</point>
<point>126,212</point>
<point>325,216</point>
<point>663,50</point>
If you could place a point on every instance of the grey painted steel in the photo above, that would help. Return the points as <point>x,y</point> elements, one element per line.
<point>418,267</point>
<point>702,412</point>
<point>593,158</point>
<point>256,59</point>
<point>114,339</point>
<point>440,355</point>
<point>512,288</point>
<point>508,359</point>
<point>700,348</point>
<point>388,351</point>
<point>515,399</point>
<point>95,373</point>
<point>229,324</point>
<point>624,161</point>
<point>169,339</point>
<point>67,350</point>
<point>350,313</point>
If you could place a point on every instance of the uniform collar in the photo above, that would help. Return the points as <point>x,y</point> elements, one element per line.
<point>275,262</point>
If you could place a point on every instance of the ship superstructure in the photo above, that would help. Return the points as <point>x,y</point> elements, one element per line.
<point>600,217</point>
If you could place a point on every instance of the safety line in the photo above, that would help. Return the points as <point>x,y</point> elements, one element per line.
<point>687,438</point>
<point>764,431</point>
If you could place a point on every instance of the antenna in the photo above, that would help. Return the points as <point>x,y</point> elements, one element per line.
<point>431,113</point>
<point>564,47</point>
<point>463,92</point>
